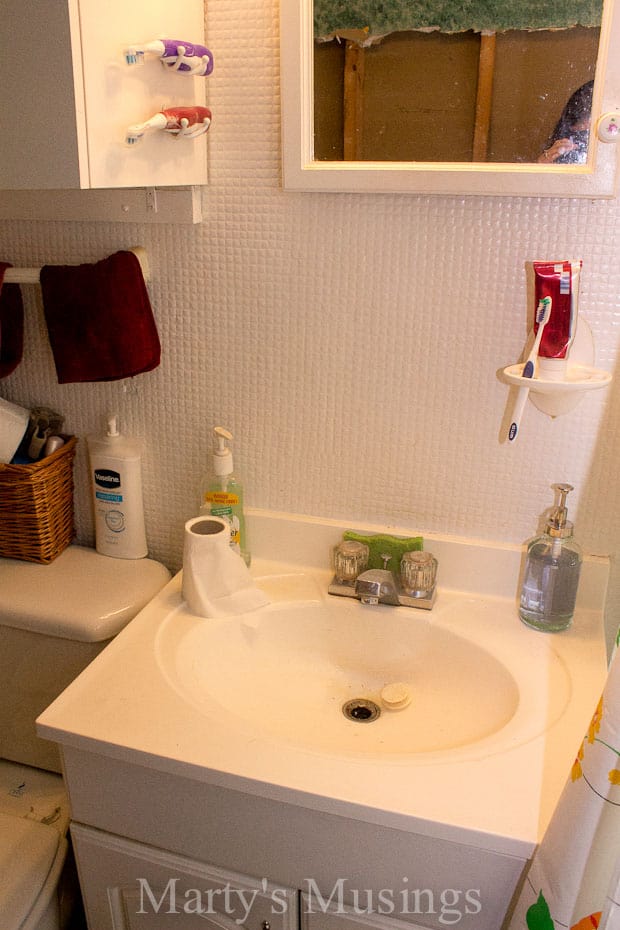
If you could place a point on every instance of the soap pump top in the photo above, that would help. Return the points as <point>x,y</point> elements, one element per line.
<point>112,427</point>
<point>557,524</point>
<point>222,455</point>
<point>116,442</point>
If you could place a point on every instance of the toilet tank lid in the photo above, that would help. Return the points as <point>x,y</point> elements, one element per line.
<point>81,595</point>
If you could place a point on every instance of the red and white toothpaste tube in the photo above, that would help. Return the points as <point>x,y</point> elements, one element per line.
<point>560,282</point>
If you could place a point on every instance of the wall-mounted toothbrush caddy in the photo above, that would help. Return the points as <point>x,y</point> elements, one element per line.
<point>85,112</point>
<point>558,367</point>
<point>185,59</point>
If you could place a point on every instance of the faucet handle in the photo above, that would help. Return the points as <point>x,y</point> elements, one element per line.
<point>350,559</point>
<point>418,573</point>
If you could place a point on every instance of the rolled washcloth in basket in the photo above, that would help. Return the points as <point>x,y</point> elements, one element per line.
<point>99,320</point>
<point>11,324</point>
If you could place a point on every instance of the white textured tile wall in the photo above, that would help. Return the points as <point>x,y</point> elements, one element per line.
<point>350,342</point>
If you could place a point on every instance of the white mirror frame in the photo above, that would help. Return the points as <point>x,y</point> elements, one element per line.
<point>596,179</point>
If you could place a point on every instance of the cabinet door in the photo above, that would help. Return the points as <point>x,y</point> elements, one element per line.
<point>131,886</point>
<point>343,917</point>
<point>37,100</point>
<point>67,95</point>
<point>116,95</point>
<point>421,909</point>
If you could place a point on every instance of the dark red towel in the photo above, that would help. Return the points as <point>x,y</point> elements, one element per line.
<point>11,324</point>
<point>99,320</point>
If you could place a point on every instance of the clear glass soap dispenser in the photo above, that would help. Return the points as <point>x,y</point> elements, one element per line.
<point>552,568</point>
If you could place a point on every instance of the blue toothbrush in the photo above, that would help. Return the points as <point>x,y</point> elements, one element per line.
<point>543,312</point>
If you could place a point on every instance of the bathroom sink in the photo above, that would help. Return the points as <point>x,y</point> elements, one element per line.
<point>249,709</point>
<point>331,675</point>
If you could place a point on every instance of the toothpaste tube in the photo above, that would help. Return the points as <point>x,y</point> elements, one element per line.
<point>560,282</point>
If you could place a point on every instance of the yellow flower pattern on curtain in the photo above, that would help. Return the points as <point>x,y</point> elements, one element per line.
<point>574,879</point>
<point>595,725</point>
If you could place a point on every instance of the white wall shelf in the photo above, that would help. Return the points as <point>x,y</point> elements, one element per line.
<point>148,205</point>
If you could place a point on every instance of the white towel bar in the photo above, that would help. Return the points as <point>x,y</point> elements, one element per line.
<point>31,275</point>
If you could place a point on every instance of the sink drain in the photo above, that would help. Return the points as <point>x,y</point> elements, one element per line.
<point>361,710</point>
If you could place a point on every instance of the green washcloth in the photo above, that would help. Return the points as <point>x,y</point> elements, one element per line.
<point>383,543</point>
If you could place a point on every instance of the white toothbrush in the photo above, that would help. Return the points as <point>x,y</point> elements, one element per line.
<point>543,312</point>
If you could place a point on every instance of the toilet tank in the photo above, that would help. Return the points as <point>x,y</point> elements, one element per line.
<point>54,620</point>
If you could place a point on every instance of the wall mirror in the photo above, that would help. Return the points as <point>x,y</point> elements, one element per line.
<point>441,97</point>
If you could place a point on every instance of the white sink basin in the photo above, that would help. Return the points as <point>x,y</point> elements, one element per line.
<point>254,705</point>
<point>285,671</point>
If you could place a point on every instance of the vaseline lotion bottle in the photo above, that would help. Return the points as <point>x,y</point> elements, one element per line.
<point>116,479</point>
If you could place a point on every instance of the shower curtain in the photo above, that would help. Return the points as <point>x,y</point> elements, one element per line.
<point>574,879</point>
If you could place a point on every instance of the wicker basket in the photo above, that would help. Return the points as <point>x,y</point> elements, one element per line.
<point>36,506</point>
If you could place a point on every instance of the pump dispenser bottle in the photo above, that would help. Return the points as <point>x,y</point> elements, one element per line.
<point>116,480</point>
<point>552,569</point>
<point>223,494</point>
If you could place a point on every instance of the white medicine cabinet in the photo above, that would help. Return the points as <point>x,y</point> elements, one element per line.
<point>303,103</point>
<point>68,95</point>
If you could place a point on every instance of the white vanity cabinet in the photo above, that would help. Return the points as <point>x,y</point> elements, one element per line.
<point>133,821</point>
<point>159,756</point>
<point>68,95</point>
<point>129,885</point>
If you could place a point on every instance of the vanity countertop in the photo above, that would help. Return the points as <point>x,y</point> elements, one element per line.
<point>497,793</point>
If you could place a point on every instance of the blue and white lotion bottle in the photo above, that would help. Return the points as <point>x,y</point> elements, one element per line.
<point>552,569</point>
<point>116,480</point>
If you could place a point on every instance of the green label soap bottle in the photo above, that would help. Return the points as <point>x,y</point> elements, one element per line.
<point>223,495</point>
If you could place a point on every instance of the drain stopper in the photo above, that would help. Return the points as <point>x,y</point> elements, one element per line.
<point>396,696</point>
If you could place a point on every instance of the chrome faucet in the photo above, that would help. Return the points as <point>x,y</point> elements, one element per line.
<point>413,586</point>
<point>377,586</point>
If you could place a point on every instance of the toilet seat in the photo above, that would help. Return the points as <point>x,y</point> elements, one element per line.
<point>31,858</point>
